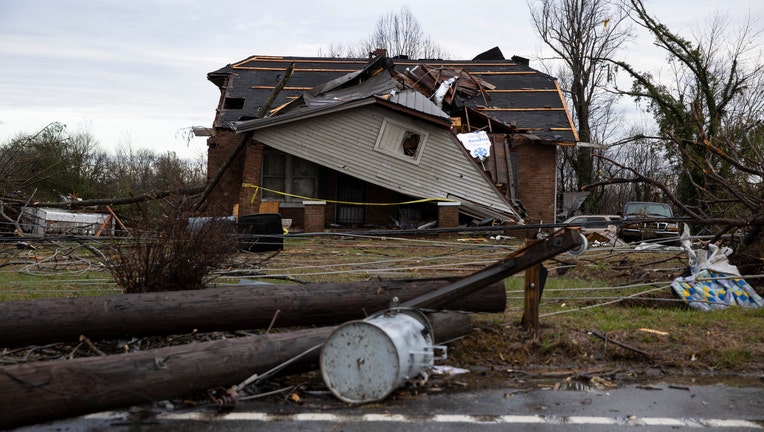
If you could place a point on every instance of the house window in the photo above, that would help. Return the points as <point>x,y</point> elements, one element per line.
<point>403,142</point>
<point>288,174</point>
<point>233,103</point>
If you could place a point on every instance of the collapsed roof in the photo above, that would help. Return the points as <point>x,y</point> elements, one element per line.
<point>507,93</point>
<point>360,125</point>
<point>505,97</point>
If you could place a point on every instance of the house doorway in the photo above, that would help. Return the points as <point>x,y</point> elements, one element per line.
<point>350,190</point>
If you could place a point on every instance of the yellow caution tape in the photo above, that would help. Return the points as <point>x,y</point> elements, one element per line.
<point>259,188</point>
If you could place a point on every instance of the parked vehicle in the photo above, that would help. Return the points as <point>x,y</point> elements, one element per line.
<point>601,224</point>
<point>641,221</point>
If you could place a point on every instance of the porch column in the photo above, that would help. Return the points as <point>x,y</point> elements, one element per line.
<point>448,214</point>
<point>314,215</point>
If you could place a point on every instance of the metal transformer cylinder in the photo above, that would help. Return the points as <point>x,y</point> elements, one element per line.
<point>364,361</point>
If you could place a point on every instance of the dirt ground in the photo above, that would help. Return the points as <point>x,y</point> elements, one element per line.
<point>565,352</point>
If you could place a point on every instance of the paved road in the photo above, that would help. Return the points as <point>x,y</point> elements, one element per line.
<point>659,407</point>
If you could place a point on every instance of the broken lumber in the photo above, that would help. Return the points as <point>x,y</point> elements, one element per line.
<point>243,307</point>
<point>44,391</point>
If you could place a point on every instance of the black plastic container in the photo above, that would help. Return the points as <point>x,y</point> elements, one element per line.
<point>260,232</point>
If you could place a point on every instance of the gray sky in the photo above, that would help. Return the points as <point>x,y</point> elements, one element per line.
<point>135,71</point>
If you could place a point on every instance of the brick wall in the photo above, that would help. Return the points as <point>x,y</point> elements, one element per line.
<point>536,181</point>
<point>252,157</point>
<point>226,194</point>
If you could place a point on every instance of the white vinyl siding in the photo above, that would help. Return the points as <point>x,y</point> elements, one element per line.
<point>346,141</point>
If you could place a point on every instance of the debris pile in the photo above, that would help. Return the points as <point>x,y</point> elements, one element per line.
<point>714,282</point>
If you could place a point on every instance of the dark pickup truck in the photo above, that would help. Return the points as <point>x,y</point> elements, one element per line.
<point>639,221</point>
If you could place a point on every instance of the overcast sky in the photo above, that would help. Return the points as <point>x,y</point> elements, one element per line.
<point>135,71</point>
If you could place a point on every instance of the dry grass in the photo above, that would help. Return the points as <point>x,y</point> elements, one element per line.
<point>618,293</point>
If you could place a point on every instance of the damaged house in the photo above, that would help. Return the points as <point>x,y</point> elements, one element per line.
<point>380,142</point>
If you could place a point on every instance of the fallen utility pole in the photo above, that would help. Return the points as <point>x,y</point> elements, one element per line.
<point>35,322</point>
<point>529,255</point>
<point>43,391</point>
<point>36,392</point>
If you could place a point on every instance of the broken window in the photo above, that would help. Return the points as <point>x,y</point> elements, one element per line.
<point>291,175</point>
<point>233,103</point>
<point>405,142</point>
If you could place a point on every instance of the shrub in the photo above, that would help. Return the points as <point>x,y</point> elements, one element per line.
<point>164,252</point>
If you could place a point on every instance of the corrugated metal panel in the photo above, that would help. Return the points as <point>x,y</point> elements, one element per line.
<point>345,143</point>
<point>42,221</point>
<point>419,102</point>
<point>381,84</point>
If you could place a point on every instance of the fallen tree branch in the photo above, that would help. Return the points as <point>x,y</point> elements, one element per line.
<point>151,196</point>
<point>620,344</point>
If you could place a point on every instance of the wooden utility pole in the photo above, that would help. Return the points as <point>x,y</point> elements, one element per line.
<point>531,254</point>
<point>35,322</point>
<point>44,391</point>
<point>532,298</point>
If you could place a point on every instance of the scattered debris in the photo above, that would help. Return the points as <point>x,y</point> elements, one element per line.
<point>448,370</point>
<point>583,383</point>
<point>658,332</point>
<point>47,390</point>
<point>620,344</point>
<point>603,239</point>
<point>714,282</point>
<point>41,221</point>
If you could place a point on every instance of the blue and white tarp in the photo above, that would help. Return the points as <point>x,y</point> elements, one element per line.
<point>714,283</point>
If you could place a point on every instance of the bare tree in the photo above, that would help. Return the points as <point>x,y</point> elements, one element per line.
<point>53,162</point>
<point>143,171</point>
<point>583,34</point>
<point>710,122</point>
<point>709,77</point>
<point>398,33</point>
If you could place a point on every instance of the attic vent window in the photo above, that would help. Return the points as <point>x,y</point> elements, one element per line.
<point>233,103</point>
<point>403,142</point>
<point>411,143</point>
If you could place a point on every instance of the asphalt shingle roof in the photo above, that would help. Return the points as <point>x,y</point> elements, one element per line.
<point>509,91</point>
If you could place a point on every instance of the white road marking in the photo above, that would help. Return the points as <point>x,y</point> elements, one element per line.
<point>440,418</point>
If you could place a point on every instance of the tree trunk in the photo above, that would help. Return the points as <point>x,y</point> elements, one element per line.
<point>219,309</point>
<point>44,391</point>
<point>748,256</point>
